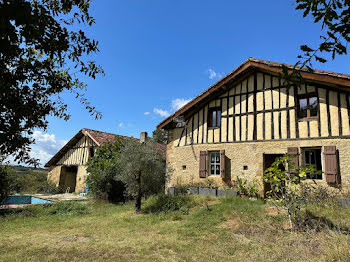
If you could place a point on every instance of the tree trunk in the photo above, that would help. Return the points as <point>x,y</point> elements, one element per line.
<point>139,194</point>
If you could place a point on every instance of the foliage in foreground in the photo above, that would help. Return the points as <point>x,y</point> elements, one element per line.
<point>44,52</point>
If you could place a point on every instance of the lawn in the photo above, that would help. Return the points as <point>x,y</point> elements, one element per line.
<point>231,229</point>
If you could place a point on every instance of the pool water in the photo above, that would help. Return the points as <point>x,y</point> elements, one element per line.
<point>24,200</point>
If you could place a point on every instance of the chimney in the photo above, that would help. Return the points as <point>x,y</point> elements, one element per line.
<point>143,137</point>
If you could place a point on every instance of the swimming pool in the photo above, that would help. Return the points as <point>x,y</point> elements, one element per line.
<point>24,200</point>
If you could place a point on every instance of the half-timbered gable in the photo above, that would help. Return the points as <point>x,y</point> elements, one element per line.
<point>262,108</point>
<point>67,167</point>
<point>254,112</point>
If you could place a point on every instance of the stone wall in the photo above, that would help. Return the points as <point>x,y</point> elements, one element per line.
<point>183,161</point>
<point>81,179</point>
<point>54,175</point>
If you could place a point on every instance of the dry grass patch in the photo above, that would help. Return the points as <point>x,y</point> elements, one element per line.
<point>230,230</point>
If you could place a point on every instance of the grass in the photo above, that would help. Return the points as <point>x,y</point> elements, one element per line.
<point>231,229</point>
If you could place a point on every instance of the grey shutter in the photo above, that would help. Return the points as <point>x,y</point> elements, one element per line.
<point>331,164</point>
<point>222,163</point>
<point>294,151</point>
<point>203,164</point>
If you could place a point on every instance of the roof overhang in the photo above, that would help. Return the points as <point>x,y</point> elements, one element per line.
<point>249,66</point>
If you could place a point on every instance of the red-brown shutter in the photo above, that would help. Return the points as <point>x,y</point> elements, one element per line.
<point>203,164</point>
<point>331,164</point>
<point>222,163</point>
<point>294,151</point>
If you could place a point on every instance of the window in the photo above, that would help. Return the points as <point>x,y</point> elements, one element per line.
<point>92,152</point>
<point>308,106</point>
<point>214,163</point>
<point>313,157</point>
<point>214,117</point>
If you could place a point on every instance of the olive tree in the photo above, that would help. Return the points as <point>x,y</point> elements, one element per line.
<point>142,169</point>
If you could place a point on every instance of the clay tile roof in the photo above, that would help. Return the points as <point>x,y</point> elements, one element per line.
<point>316,71</point>
<point>101,138</point>
<point>317,76</point>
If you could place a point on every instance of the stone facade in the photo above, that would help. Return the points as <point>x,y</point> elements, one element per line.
<point>184,161</point>
<point>54,174</point>
<point>81,179</point>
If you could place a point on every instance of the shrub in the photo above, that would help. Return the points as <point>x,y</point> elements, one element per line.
<point>170,203</point>
<point>6,181</point>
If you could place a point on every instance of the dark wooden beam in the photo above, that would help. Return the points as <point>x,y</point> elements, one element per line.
<point>246,109</point>
<point>255,106</point>
<point>264,90</point>
<point>272,124</point>
<point>227,112</point>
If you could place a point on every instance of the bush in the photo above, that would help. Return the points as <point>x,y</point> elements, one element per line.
<point>170,203</point>
<point>6,181</point>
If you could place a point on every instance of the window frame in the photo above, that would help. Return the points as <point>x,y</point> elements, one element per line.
<point>217,154</point>
<point>314,150</point>
<point>308,112</point>
<point>211,110</point>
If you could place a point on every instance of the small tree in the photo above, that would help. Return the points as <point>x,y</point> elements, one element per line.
<point>103,169</point>
<point>142,169</point>
<point>288,184</point>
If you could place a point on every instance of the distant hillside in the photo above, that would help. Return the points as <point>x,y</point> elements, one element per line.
<point>25,169</point>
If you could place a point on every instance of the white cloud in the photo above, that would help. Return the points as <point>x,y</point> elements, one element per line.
<point>146,113</point>
<point>121,124</point>
<point>46,145</point>
<point>177,103</point>
<point>213,74</point>
<point>161,112</point>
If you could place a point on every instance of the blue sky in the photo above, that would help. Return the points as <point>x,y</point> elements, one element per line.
<point>157,54</point>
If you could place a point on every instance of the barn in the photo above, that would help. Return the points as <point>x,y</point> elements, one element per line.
<point>67,168</point>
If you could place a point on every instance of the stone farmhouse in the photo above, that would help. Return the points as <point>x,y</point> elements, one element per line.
<point>67,168</point>
<point>243,122</point>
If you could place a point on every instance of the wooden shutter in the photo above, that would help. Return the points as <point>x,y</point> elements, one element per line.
<point>331,164</point>
<point>203,164</point>
<point>295,159</point>
<point>222,163</point>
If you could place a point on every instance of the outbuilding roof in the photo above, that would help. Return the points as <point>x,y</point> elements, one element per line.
<point>318,76</point>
